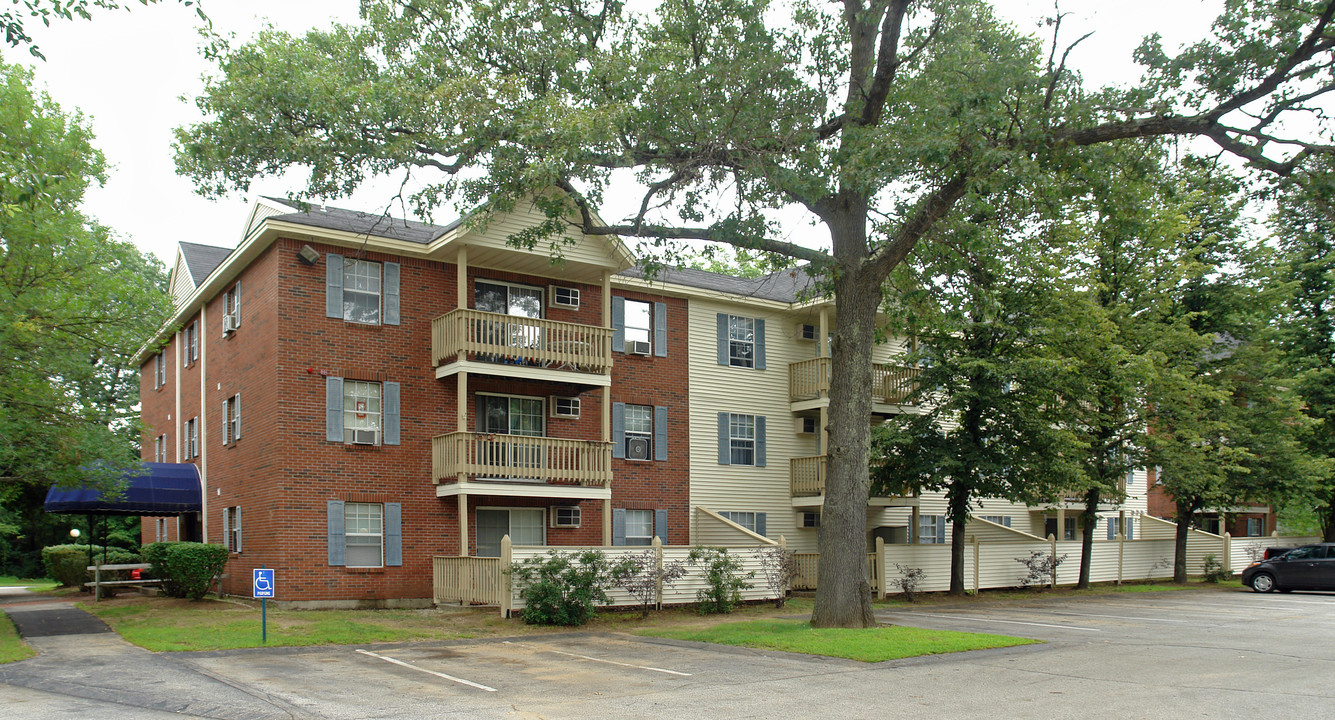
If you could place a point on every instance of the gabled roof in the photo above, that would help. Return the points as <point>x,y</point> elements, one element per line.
<point>200,260</point>
<point>785,286</point>
<point>361,223</point>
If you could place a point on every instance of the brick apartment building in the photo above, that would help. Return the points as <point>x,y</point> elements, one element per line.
<point>361,394</point>
<point>1238,521</point>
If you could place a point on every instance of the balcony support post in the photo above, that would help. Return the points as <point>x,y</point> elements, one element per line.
<point>463,524</point>
<point>607,522</point>
<point>461,399</point>
<point>915,517</point>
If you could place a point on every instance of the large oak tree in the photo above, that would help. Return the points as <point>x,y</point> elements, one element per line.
<point>874,116</point>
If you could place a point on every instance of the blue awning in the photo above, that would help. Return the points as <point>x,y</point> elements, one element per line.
<point>157,489</point>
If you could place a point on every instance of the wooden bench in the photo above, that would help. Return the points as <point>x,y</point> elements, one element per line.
<point>98,583</point>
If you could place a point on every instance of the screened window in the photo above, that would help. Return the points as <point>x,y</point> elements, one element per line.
<point>638,321</point>
<point>363,527</point>
<point>930,529</point>
<point>639,527</point>
<point>361,411</point>
<point>639,432</point>
<point>361,291</point>
<point>741,341</point>
<point>742,439</point>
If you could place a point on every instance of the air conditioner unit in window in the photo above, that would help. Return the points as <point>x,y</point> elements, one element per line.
<point>229,323</point>
<point>638,347</point>
<point>565,517</point>
<point>365,437</point>
<point>637,448</point>
<point>808,332</point>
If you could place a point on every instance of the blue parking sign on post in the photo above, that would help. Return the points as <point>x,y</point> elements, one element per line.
<point>263,583</point>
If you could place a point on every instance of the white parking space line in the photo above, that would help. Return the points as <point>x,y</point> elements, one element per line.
<point>609,662</point>
<point>976,618</point>
<point>451,678</point>
<point>1120,617</point>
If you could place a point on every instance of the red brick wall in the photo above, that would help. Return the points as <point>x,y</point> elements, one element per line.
<point>282,471</point>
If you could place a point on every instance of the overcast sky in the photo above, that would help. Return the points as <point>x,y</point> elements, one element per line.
<point>134,73</point>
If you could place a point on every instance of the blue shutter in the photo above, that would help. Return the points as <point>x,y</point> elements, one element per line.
<point>238,528</point>
<point>393,419</point>
<point>660,329</point>
<point>722,339</point>
<point>333,285</point>
<point>760,523</point>
<point>760,344</point>
<point>337,554</point>
<point>618,324</point>
<point>1112,528</point>
<point>940,529</point>
<point>1130,529</point>
<point>393,534</point>
<point>760,441</point>
<point>618,526</point>
<point>660,525</point>
<point>333,409</point>
<point>660,432</point>
<point>724,444</point>
<point>227,542</point>
<point>391,293</point>
<point>619,430</point>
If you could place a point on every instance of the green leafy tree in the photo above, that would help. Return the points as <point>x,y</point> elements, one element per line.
<point>77,303</point>
<point>875,116</point>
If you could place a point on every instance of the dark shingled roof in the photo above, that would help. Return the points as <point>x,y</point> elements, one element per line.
<point>201,260</point>
<point>786,286</point>
<point>361,223</point>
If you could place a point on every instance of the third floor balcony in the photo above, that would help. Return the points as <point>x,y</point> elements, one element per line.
<point>892,387</point>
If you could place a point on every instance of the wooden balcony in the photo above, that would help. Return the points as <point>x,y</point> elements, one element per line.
<point>891,384</point>
<point>807,480</point>
<point>461,335</point>
<point>522,459</point>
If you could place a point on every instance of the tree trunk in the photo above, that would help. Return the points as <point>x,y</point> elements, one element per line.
<point>1185,514</point>
<point>1088,517</point>
<point>1328,523</point>
<point>958,510</point>
<point>843,596</point>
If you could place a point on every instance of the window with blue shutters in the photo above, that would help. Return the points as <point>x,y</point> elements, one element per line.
<point>639,432</point>
<point>362,412</point>
<point>362,291</point>
<point>639,327</point>
<point>365,534</point>
<point>741,341</point>
<point>639,527</point>
<point>741,439</point>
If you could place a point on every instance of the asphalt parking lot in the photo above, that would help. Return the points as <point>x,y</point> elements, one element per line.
<point>1152,655</point>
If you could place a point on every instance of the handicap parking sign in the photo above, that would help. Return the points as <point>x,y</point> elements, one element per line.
<point>263,584</point>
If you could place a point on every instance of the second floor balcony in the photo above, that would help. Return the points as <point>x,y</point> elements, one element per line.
<point>809,383</point>
<point>515,464</point>
<point>807,485</point>
<point>523,343</point>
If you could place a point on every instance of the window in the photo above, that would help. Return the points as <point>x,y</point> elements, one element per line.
<point>639,432</point>
<point>639,326</point>
<point>191,343</point>
<point>639,527</point>
<point>507,415</point>
<point>160,448</point>
<point>190,437</point>
<point>567,516</point>
<point>159,370</point>
<point>160,529</point>
<point>741,439</point>
<point>1003,520</point>
<point>566,297</point>
<point>523,525</point>
<point>1130,478</point>
<point>232,309</point>
<point>1253,527</point>
<point>753,521</point>
<point>810,520</point>
<point>565,407</point>
<point>1068,529</point>
<point>931,529</point>
<point>741,341</point>
<point>361,291</point>
<point>232,528</point>
<point>232,419</point>
<point>363,526</point>
<point>361,412</point>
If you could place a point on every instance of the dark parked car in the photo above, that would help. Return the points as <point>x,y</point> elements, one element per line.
<point>1308,567</point>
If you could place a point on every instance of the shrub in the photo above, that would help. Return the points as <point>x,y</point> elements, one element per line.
<point>1215,571</point>
<point>778,565</point>
<point>1041,568</point>
<point>640,575</point>
<point>187,569</point>
<point>564,588</point>
<point>68,564</point>
<point>908,580</point>
<point>724,578</point>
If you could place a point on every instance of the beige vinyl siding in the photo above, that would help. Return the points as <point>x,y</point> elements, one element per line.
<point>590,250</point>
<point>182,284</point>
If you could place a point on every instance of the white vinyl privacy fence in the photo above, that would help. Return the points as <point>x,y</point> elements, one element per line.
<point>453,575</point>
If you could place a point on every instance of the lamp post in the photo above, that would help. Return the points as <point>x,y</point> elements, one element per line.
<point>74,533</point>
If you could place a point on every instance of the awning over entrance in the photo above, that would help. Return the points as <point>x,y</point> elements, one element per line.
<point>157,489</point>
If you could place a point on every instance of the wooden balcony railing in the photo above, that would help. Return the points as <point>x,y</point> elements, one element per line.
<point>530,341</point>
<point>891,384</point>
<point>807,478</point>
<point>520,457</point>
<point>468,580</point>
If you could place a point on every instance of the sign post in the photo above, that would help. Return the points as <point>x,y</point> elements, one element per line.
<point>262,586</point>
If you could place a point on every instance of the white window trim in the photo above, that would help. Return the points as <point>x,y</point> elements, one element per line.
<point>740,517</point>
<point>347,534</point>
<point>644,539</point>
<point>648,325</point>
<point>232,419</point>
<point>349,431</point>
<point>628,433</point>
<point>734,439</point>
<point>542,303</point>
<point>543,415</point>
<point>233,538</point>
<point>751,342</point>
<point>510,518</point>
<point>932,521</point>
<point>379,294</point>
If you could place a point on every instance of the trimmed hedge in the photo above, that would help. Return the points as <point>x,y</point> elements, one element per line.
<point>68,564</point>
<point>187,569</point>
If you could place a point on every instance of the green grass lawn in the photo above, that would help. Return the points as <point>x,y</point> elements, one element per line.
<point>38,584</point>
<point>161,624</point>
<point>11,647</point>
<point>869,645</point>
